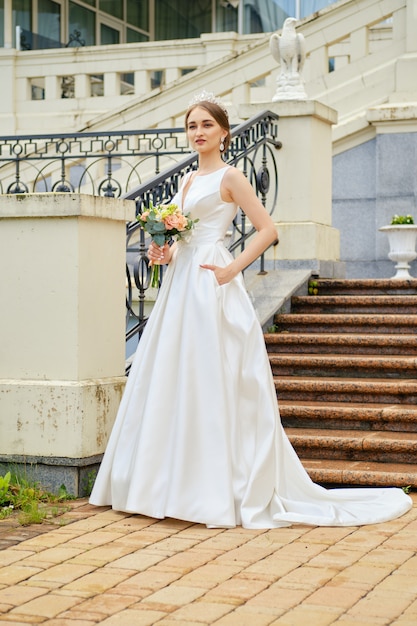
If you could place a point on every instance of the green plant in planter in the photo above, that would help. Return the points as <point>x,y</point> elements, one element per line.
<point>402,219</point>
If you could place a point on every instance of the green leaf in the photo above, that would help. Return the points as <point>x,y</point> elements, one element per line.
<point>159,240</point>
<point>159,227</point>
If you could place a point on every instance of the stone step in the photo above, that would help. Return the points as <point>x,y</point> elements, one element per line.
<point>341,344</point>
<point>377,286</point>
<point>345,371</point>
<point>363,473</point>
<point>375,305</point>
<point>344,365</point>
<point>349,415</point>
<point>358,390</point>
<point>345,323</point>
<point>354,445</point>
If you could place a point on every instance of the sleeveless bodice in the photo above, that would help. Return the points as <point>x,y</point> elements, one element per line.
<point>204,202</point>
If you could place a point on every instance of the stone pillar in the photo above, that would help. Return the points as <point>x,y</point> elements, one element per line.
<point>62,333</point>
<point>304,211</point>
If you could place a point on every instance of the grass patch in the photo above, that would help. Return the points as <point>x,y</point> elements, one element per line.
<point>28,501</point>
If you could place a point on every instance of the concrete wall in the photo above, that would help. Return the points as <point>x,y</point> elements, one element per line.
<point>62,333</point>
<point>371,183</point>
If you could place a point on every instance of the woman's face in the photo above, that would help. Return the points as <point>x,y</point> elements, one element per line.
<point>204,133</point>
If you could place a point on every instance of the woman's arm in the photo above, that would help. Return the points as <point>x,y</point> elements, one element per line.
<point>236,188</point>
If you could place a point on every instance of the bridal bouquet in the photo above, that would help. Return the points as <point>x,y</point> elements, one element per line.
<point>163,222</point>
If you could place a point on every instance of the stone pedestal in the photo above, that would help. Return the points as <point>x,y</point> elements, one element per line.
<point>62,332</point>
<point>304,211</point>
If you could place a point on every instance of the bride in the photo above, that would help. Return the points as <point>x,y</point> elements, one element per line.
<point>198,435</point>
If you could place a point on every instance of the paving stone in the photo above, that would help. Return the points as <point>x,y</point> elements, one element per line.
<point>21,620</point>
<point>360,621</point>
<point>63,621</point>
<point>210,575</point>
<point>16,573</point>
<point>239,618</point>
<point>382,604</point>
<point>272,568</point>
<point>174,596</point>
<point>106,604</point>
<point>245,555</point>
<point>332,595</point>
<point>15,595</point>
<point>307,577</point>
<point>187,561</point>
<point>131,617</point>
<point>277,599</point>
<point>146,582</point>
<point>139,560</point>
<point>7,557</point>
<point>383,555</point>
<point>62,573</point>
<point>236,590</point>
<point>203,612</point>
<point>93,539</point>
<point>38,607</point>
<point>303,615</point>
<point>121,569</point>
<point>99,581</point>
<point>102,555</point>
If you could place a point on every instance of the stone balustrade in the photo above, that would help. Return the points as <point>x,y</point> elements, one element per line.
<point>360,53</point>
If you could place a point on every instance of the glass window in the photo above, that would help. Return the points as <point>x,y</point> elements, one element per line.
<point>180,19</point>
<point>132,36</point>
<point>49,19</point>
<point>67,87</point>
<point>22,16</point>
<point>84,21</point>
<point>307,7</point>
<point>37,88</point>
<point>108,35</point>
<point>92,3</point>
<point>113,7</point>
<point>1,23</point>
<point>138,14</point>
<point>264,16</point>
<point>157,78</point>
<point>97,85</point>
<point>226,17</point>
<point>127,84</point>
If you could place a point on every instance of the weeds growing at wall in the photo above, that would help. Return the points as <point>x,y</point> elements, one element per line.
<point>29,501</point>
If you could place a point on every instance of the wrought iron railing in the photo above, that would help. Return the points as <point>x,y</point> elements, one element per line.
<point>114,164</point>
<point>252,150</point>
<point>107,164</point>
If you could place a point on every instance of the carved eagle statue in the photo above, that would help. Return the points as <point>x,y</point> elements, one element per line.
<point>289,48</point>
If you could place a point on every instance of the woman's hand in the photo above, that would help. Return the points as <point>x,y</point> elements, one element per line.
<point>223,274</point>
<point>159,255</point>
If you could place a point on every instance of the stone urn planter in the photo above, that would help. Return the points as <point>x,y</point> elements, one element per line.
<point>402,241</point>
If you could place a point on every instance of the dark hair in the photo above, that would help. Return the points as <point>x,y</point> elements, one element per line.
<point>217,113</point>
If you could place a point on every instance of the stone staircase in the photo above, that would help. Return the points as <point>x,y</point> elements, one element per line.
<point>345,369</point>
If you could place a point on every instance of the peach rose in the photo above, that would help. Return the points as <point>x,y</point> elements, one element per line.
<point>176,221</point>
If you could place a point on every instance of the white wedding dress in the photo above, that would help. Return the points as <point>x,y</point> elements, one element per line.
<point>198,435</point>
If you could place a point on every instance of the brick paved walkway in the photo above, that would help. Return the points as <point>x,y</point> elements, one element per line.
<point>124,570</point>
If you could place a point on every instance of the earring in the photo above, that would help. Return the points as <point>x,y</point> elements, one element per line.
<point>221,145</point>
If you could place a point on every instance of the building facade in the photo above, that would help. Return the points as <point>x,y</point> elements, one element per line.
<point>56,23</point>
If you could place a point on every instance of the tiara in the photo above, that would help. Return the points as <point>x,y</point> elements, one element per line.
<point>206,96</point>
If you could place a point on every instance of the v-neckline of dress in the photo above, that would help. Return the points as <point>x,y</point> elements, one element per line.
<point>189,183</point>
